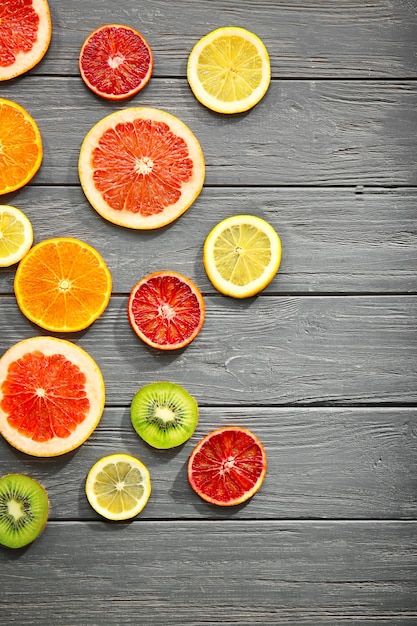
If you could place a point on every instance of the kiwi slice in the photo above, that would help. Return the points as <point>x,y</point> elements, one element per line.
<point>24,509</point>
<point>164,414</point>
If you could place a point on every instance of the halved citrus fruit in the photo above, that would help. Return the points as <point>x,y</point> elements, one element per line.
<point>141,168</point>
<point>118,486</point>
<point>16,235</point>
<point>228,466</point>
<point>229,70</point>
<point>62,285</point>
<point>166,310</point>
<point>25,35</point>
<point>241,255</point>
<point>115,61</point>
<point>51,396</point>
<point>20,146</point>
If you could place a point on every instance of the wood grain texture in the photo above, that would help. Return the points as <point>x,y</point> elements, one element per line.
<point>324,463</point>
<point>190,573</point>
<point>312,38</point>
<point>266,351</point>
<point>337,240</point>
<point>301,133</point>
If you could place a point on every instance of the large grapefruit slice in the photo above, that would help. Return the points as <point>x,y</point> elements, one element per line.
<point>228,466</point>
<point>51,396</point>
<point>141,167</point>
<point>25,34</point>
<point>166,310</point>
<point>115,61</point>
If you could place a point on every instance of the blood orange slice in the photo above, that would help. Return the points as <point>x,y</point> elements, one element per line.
<point>166,310</point>
<point>51,396</point>
<point>115,61</point>
<point>228,466</point>
<point>141,168</point>
<point>25,35</point>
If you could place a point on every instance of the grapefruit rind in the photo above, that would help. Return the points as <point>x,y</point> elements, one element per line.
<point>247,494</point>
<point>94,388</point>
<point>26,61</point>
<point>190,190</point>
<point>93,86</point>
<point>145,338</point>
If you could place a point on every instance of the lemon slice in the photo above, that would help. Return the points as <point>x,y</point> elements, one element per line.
<point>16,235</point>
<point>118,486</point>
<point>229,70</point>
<point>241,255</point>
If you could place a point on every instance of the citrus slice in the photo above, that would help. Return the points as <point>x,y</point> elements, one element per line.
<point>16,235</point>
<point>228,466</point>
<point>118,486</point>
<point>25,35</point>
<point>20,146</point>
<point>62,285</point>
<point>241,255</point>
<point>51,396</point>
<point>229,70</point>
<point>115,61</point>
<point>166,310</point>
<point>141,168</point>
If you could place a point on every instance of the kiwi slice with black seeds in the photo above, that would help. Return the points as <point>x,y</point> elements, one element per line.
<point>24,509</point>
<point>164,414</point>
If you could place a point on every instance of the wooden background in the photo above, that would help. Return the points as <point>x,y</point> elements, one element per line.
<point>321,366</point>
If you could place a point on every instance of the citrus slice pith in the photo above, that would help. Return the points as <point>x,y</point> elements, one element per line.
<point>20,146</point>
<point>62,285</point>
<point>229,70</point>
<point>118,486</point>
<point>25,35</point>
<point>16,235</point>
<point>115,61</point>
<point>166,310</point>
<point>141,168</point>
<point>228,466</point>
<point>241,255</point>
<point>51,396</point>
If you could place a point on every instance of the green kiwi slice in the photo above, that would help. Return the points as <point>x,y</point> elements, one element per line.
<point>24,509</point>
<point>164,414</point>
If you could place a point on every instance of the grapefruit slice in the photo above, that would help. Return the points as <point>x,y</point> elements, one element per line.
<point>141,168</point>
<point>20,146</point>
<point>166,310</point>
<point>25,35</point>
<point>62,285</point>
<point>51,396</point>
<point>115,61</point>
<point>228,466</point>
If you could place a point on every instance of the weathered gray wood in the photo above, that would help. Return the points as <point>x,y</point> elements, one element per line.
<point>264,351</point>
<point>322,463</point>
<point>307,38</point>
<point>186,573</point>
<point>301,133</point>
<point>334,240</point>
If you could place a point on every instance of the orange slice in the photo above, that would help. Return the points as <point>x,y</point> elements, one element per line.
<point>166,310</point>
<point>228,466</point>
<point>20,146</point>
<point>115,61</point>
<point>62,285</point>
<point>141,168</point>
<point>25,35</point>
<point>51,396</point>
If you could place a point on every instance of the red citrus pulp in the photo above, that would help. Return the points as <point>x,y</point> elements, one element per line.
<point>228,466</point>
<point>166,310</point>
<point>115,61</point>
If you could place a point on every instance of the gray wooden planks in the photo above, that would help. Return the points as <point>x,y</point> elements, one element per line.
<point>323,463</point>
<point>334,240</point>
<point>311,132</point>
<point>188,573</point>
